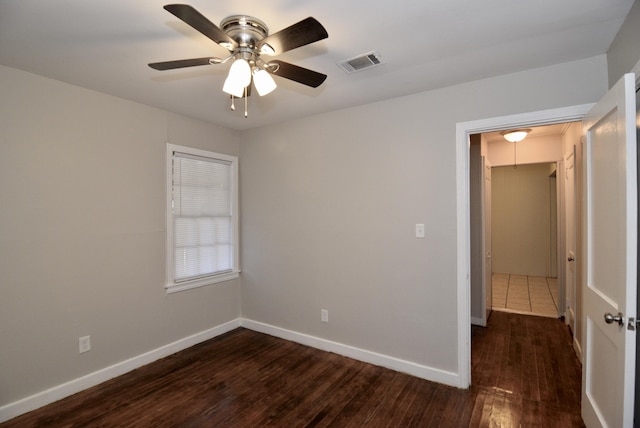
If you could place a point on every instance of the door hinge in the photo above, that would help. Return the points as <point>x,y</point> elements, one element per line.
<point>632,323</point>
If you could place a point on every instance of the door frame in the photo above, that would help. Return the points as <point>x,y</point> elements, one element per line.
<point>463,132</point>
<point>571,248</point>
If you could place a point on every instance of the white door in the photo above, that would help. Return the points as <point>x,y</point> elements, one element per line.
<point>570,229</point>
<point>610,208</point>
<point>486,237</point>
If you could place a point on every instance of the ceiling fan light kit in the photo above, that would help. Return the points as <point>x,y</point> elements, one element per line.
<point>247,38</point>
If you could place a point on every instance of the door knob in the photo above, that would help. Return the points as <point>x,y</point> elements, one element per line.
<point>570,259</point>
<point>610,319</point>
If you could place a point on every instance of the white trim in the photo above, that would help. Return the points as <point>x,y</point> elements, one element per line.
<point>214,279</point>
<point>397,364</point>
<point>17,408</point>
<point>463,130</point>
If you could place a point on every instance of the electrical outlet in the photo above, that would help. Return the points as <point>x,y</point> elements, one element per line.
<point>324,315</point>
<point>84,344</point>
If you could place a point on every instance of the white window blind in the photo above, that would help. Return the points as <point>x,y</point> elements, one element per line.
<point>201,211</point>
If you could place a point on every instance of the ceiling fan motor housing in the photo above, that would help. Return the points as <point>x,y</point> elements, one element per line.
<point>247,31</point>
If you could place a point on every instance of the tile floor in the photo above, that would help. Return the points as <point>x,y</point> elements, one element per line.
<point>523,294</point>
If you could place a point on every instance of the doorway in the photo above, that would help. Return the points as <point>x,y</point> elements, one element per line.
<point>526,257</point>
<point>604,152</point>
<point>463,132</point>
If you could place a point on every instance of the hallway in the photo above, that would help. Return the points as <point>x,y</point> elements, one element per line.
<point>529,295</point>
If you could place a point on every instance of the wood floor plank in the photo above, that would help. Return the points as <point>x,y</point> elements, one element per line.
<point>524,372</point>
<point>407,405</point>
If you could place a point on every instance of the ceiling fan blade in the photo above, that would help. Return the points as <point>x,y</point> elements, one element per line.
<point>196,20</point>
<point>298,74</point>
<point>302,33</point>
<point>180,63</point>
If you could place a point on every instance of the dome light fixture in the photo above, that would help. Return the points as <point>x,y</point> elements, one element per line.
<point>515,135</point>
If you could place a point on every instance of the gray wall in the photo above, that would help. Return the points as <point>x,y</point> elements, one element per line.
<point>624,52</point>
<point>330,202</point>
<point>82,233</point>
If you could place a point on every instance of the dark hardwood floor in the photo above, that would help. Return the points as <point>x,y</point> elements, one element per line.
<point>524,374</point>
<point>526,371</point>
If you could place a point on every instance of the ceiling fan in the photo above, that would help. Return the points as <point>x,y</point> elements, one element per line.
<point>247,39</point>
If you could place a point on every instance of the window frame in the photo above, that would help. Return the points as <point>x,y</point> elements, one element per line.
<point>171,286</point>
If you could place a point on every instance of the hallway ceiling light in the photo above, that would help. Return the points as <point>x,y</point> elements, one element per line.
<point>515,135</point>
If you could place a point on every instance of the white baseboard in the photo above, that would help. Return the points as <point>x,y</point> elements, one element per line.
<point>578,349</point>
<point>418,370</point>
<point>17,408</point>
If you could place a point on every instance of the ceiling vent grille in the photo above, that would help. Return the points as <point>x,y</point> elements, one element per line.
<point>360,62</point>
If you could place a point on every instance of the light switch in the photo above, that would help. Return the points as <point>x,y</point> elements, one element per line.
<point>419,230</point>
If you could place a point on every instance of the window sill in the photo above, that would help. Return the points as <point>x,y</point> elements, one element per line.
<point>175,288</point>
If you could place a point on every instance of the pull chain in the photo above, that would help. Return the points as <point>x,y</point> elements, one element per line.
<point>246,102</point>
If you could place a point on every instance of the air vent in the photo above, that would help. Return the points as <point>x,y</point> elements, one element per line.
<point>360,62</point>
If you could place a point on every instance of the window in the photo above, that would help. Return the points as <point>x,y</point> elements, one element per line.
<point>202,218</point>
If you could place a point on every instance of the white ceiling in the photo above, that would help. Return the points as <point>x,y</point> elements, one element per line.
<point>424,44</point>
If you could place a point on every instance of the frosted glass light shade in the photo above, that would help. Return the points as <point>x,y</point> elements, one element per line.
<point>264,82</point>
<point>516,135</point>
<point>239,77</point>
<point>232,87</point>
